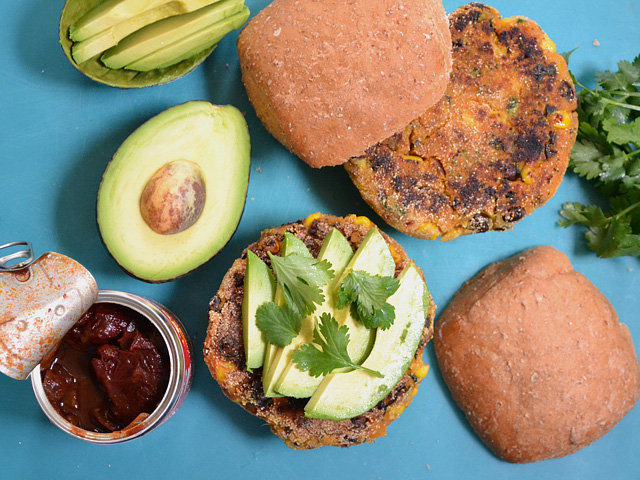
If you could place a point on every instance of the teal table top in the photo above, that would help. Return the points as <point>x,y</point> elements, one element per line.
<point>58,131</point>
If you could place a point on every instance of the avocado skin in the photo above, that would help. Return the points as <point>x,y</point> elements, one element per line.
<point>185,109</point>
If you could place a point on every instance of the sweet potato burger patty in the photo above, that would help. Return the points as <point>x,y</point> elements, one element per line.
<point>493,149</point>
<point>224,350</point>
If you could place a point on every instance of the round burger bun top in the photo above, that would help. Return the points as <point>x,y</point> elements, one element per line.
<point>329,78</point>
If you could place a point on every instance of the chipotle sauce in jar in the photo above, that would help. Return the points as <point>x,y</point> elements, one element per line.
<point>109,371</point>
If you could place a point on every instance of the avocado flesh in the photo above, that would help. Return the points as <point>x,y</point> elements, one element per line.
<point>193,44</point>
<point>273,353</point>
<point>86,48</point>
<point>108,13</point>
<point>293,382</point>
<point>373,257</point>
<point>346,395</point>
<point>166,32</point>
<point>216,138</point>
<point>259,288</point>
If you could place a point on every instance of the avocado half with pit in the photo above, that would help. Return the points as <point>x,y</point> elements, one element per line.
<point>133,43</point>
<point>174,192</point>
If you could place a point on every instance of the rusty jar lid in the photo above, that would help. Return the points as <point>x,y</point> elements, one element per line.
<point>40,301</point>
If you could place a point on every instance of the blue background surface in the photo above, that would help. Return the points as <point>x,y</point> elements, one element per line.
<point>58,131</point>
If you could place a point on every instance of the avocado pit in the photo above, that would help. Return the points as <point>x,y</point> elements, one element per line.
<point>174,197</point>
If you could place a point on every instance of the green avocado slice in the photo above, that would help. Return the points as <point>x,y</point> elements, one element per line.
<point>108,13</point>
<point>271,369</point>
<point>373,257</point>
<point>345,395</point>
<point>215,139</point>
<point>259,288</point>
<point>293,382</point>
<point>119,26</point>
<point>191,45</point>
<point>166,32</point>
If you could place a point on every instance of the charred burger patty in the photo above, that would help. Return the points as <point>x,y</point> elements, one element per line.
<point>493,149</point>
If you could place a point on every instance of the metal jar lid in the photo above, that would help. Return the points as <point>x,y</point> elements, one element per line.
<point>39,303</point>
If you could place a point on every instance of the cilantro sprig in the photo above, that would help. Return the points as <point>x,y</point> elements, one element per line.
<point>332,354</point>
<point>367,294</point>
<point>607,151</point>
<point>301,279</point>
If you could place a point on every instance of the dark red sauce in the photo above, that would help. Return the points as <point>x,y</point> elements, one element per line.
<point>110,369</point>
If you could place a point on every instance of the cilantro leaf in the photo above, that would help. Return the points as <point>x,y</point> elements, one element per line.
<point>627,74</point>
<point>622,134</point>
<point>279,324</point>
<point>585,160</point>
<point>367,295</point>
<point>576,213</point>
<point>567,55</point>
<point>332,354</point>
<point>609,235</point>
<point>618,239</point>
<point>301,279</point>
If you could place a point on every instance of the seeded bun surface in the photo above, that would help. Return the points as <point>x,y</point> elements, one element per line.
<point>329,78</point>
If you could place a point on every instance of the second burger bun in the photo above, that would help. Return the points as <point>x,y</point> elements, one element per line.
<point>329,78</point>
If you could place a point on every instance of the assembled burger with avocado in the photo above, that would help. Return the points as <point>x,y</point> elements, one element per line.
<point>319,328</point>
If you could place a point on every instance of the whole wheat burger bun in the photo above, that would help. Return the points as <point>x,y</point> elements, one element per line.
<point>329,78</point>
<point>225,356</point>
<point>535,356</point>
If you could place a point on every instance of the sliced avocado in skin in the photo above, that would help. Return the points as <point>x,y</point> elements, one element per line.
<point>373,257</point>
<point>166,32</point>
<point>293,382</point>
<point>346,395</point>
<point>87,47</point>
<point>153,231</point>
<point>94,69</point>
<point>273,353</point>
<point>190,45</point>
<point>259,288</point>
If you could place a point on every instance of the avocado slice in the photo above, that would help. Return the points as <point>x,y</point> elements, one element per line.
<point>259,288</point>
<point>273,353</point>
<point>90,41</point>
<point>188,46</point>
<point>372,256</point>
<point>108,13</point>
<point>154,232</point>
<point>166,32</point>
<point>293,382</point>
<point>345,395</point>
